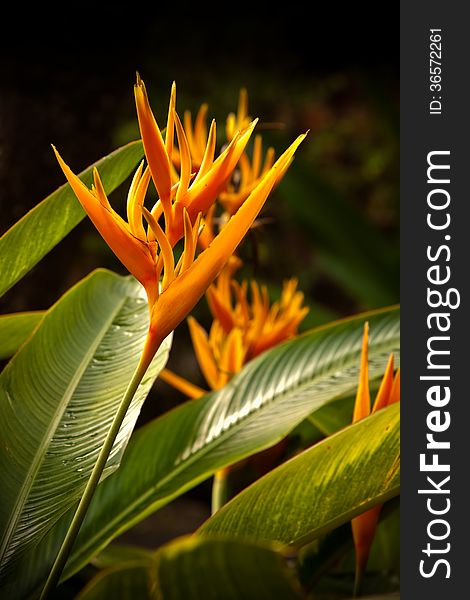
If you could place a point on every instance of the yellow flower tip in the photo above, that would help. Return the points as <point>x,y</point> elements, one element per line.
<point>81,191</point>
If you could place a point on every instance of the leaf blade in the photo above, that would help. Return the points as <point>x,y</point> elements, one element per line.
<point>58,396</point>
<point>327,485</point>
<point>43,227</point>
<point>15,329</point>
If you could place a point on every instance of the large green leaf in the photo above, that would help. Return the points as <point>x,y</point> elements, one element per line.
<point>196,568</point>
<point>58,396</point>
<point>16,329</point>
<point>33,236</point>
<point>260,406</point>
<point>321,488</point>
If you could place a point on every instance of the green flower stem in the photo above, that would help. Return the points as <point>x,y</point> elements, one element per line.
<point>220,489</point>
<point>93,481</point>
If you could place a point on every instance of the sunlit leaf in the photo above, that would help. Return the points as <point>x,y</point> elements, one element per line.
<point>58,396</point>
<point>43,227</point>
<point>321,488</point>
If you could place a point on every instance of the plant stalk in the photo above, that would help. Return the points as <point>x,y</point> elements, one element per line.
<point>94,479</point>
<point>219,489</point>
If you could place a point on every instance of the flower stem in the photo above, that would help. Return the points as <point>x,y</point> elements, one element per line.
<point>94,479</point>
<point>219,489</point>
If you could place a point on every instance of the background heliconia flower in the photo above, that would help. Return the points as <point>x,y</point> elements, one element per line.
<point>196,134</point>
<point>247,176</point>
<point>239,120</point>
<point>242,328</point>
<point>365,525</point>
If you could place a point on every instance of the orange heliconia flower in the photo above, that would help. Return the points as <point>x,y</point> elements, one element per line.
<point>195,193</point>
<point>364,525</point>
<point>244,177</point>
<point>197,138</point>
<point>147,252</point>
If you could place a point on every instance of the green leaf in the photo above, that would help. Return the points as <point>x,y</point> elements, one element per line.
<point>195,568</point>
<point>210,569</point>
<point>33,236</point>
<point>338,414</point>
<point>259,407</point>
<point>320,489</point>
<point>333,416</point>
<point>15,329</point>
<point>58,396</point>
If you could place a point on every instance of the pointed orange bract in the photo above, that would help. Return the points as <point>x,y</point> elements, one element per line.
<point>362,404</point>
<point>154,146</point>
<point>365,525</point>
<point>201,178</point>
<point>148,252</point>
<point>197,138</point>
<point>133,252</point>
<point>383,395</point>
<point>186,290</point>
